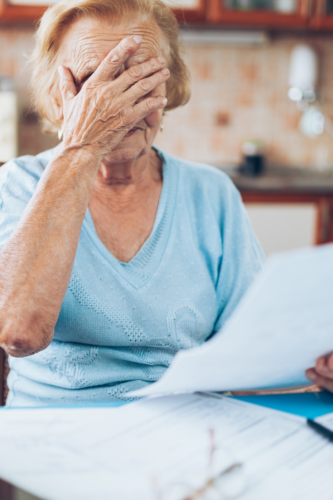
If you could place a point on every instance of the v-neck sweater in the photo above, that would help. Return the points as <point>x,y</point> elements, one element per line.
<point>143,265</point>
<point>121,324</point>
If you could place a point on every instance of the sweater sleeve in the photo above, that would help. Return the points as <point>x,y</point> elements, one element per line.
<point>18,182</point>
<point>242,256</point>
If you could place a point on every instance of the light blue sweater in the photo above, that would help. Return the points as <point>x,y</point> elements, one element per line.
<point>121,324</point>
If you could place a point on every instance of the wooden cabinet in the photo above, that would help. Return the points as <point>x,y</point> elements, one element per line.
<point>322,15</point>
<point>272,14</point>
<point>259,13</point>
<point>14,11</point>
<point>265,14</point>
<point>19,10</point>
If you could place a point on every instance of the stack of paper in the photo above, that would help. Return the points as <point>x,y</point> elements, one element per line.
<point>160,449</point>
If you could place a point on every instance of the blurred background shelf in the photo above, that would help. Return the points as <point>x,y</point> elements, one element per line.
<point>260,13</point>
<point>267,14</point>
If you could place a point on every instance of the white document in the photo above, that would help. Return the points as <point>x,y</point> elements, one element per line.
<point>158,449</point>
<point>279,329</point>
<point>326,420</point>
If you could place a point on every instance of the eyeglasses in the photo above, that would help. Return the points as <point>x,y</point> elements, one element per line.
<point>227,484</point>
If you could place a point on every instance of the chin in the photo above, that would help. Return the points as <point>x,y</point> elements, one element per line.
<point>128,149</point>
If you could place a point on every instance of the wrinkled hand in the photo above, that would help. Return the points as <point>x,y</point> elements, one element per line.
<point>108,106</point>
<point>322,373</point>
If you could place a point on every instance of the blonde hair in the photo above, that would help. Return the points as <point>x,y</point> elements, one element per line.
<point>57,20</point>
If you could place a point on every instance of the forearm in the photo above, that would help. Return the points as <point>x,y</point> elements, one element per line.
<point>36,262</point>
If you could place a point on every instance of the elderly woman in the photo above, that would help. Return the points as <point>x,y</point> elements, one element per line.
<point>114,254</point>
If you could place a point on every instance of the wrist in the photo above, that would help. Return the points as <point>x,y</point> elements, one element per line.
<point>79,153</point>
<point>73,166</point>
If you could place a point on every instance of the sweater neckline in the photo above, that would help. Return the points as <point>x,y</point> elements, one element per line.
<point>139,270</point>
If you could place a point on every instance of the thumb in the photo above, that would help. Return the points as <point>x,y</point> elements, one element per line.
<point>67,86</point>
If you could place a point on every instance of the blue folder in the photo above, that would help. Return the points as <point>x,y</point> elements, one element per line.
<point>309,404</point>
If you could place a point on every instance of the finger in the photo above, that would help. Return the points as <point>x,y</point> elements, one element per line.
<point>330,362</point>
<point>324,366</point>
<point>67,86</point>
<point>139,71</point>
<point>132,115</point>
<point>115,58</point>
<point>149,105</point>
<point>321,363</point>
<point>146,85</point>
<point>154,119</point>
<point>324,382</point>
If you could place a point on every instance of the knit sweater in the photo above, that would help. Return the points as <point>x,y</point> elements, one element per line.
<point>121,324</point>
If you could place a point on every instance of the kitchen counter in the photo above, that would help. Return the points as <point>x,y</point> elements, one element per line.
<point>284,180</point>
<point>291,186</point>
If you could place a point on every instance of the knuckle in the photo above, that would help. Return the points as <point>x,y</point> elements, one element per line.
<point>127,44</point>
<point>135,72</point>
<point>150,104</point>
<point>120,51</point>
<point>160,78</point>
<point>126,116</point>
<point>165,73</point>
<point>62,85</point>
<point>154,64</point>
<point>144,85</point>
<point>114,57</point>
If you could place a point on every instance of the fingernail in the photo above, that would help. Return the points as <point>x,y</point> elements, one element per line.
<point>311,375</point>
<point>165,100</point>
<point>165,71</point>
<point>137,39</point>
<point>60,70</point>
<point>161,60</point>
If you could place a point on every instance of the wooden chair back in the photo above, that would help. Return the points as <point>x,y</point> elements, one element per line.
<point>4,370</point>
<point>6,490</point>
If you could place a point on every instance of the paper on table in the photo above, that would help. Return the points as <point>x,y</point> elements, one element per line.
<point>283,323</point>
<point>326,420</point>
<point>145,449</point>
